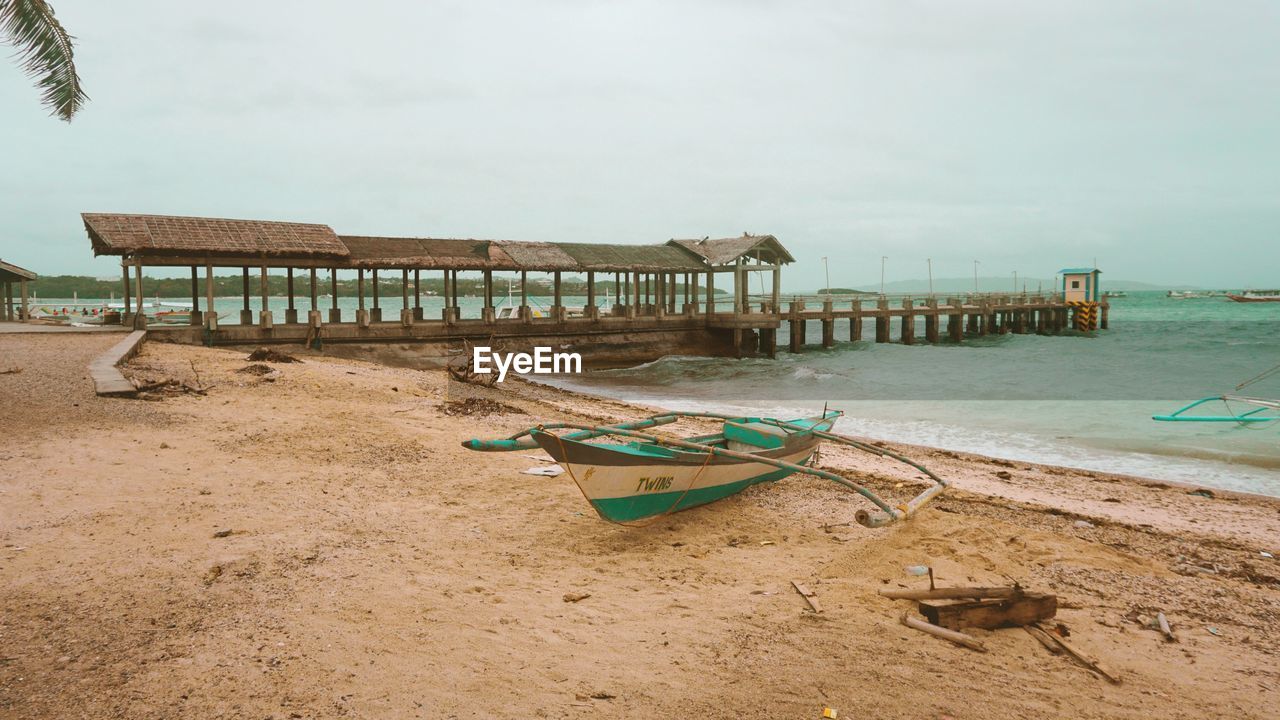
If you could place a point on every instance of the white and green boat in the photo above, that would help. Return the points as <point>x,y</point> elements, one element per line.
<point>630,476</point>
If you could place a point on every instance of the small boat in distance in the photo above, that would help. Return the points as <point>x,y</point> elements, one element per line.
<point>1251,296</point>
<point>1188,295</point>
<point>644,477</point>
<point>1115,294</point>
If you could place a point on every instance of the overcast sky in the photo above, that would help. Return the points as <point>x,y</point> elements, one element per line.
<point>1028,135</point>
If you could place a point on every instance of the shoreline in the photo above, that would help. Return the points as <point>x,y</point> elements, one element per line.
<point>314,541</point>
<point>964,454</point>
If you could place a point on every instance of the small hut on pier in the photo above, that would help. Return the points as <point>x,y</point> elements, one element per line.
<point>9,274</point>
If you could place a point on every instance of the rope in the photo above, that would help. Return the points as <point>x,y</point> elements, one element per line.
<point>1260,376</point>
<point>646,523</point>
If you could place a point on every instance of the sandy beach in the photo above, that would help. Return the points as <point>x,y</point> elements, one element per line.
<point>315,543</point>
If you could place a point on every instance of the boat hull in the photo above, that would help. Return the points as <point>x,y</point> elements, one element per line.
<point>626,484</point>
<point>1249,299</point>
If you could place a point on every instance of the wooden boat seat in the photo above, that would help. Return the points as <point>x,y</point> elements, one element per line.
<point>749,436</point>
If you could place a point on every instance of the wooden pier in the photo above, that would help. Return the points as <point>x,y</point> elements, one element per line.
<point>933,320</point>
<point>642,301</point>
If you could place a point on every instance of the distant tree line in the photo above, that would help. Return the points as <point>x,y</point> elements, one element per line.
<point>67,286</point>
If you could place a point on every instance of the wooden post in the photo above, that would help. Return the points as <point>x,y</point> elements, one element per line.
<point>556,310</point>
<point>855,323</point>
<point>455,311</point>
<point>695,300</point>
<point>487,312</point>
<point>776,294</point>
<point>127,317</point>
<point>139,318</point>
<point>6,307</point>
<point>417,294</point>
<point>375,312</point>
<point>291,312</point>
<point>931,320</point>
<point>629,309</point>
<point>659,295</point>
<point>955,321</point>
<point>590,309</point>
<point>525,314</point>
<point>796,326</point>
<point>362,315</point>
<point>195,297</point>
<point>882,320</point>
<point>24,313</point>
<point>335,315</point>
<point>313,313</point>
<point>671,292</point>
<point>210,313</point>
<point>617,292</point>
<point>404,288</point>
<point>908,323</point>
<point>711,292</point>
<point>246,312</point>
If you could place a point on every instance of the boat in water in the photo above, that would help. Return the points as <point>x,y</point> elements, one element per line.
<point>642,476</point>
<point>1254,296</point>
<point>1252,410</point>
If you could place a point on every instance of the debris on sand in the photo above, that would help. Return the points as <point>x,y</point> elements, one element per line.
<point>576,597</point>
<point>11,371</point>
<point>478,407</point>
<point>256,369</point>
<point>272,356</point>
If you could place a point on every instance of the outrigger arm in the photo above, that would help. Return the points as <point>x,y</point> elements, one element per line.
<point>888,513</point>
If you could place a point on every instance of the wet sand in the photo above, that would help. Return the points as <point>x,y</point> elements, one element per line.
<point>374,568</point>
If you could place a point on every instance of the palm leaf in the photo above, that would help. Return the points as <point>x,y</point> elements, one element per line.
<point>46,53</point>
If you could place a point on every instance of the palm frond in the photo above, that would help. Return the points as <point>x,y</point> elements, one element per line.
<point>45,52</point>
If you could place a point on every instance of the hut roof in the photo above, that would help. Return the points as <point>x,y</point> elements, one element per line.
<point>113,234</point>
<point>540,256</point>
<point>718,251</point>
<point>625,258</point>
<point>10,272</point>
<point>452,254</point>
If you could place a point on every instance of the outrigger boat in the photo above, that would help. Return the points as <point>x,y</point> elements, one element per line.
<point>1263,410</point>
<point>647,476</point>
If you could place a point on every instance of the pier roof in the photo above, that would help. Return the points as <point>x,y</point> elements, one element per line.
<point>719,251</point>
<point>631,258</point>
<point>10,272</point>
<point>112,234</point>
<point>172,239</point>
<point>437,253</point>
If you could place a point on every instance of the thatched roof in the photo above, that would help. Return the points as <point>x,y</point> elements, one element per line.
<point>183,239</point>
<point>719,251</point>
<point>113,234</point>
<point>397,252</point>
<point>544,256</point>
<point>12,273</point>
<point>631,258</point>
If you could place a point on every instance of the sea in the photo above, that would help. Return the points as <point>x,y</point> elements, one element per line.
<point>1077,400</point>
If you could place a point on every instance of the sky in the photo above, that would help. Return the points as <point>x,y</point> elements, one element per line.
<point>1030,136</point>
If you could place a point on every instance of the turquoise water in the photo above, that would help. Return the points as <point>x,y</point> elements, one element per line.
<point>1074,400</point>
<point>1079,401</point>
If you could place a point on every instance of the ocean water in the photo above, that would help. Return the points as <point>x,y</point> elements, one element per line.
<point>1082,401</point>
<point>1073,400</point>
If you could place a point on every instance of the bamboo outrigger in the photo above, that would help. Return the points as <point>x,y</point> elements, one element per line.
<point>654,475</point>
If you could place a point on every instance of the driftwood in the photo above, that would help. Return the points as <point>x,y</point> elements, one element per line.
<point>809,596</point>
<point>954,593</point>
<point>172,386</point>
<point>11,371</point>
<point>1081,657</point>
<point>465,371</point>
<point>958,638</point>
<point>1048,643</point>
<point>990,613</point>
